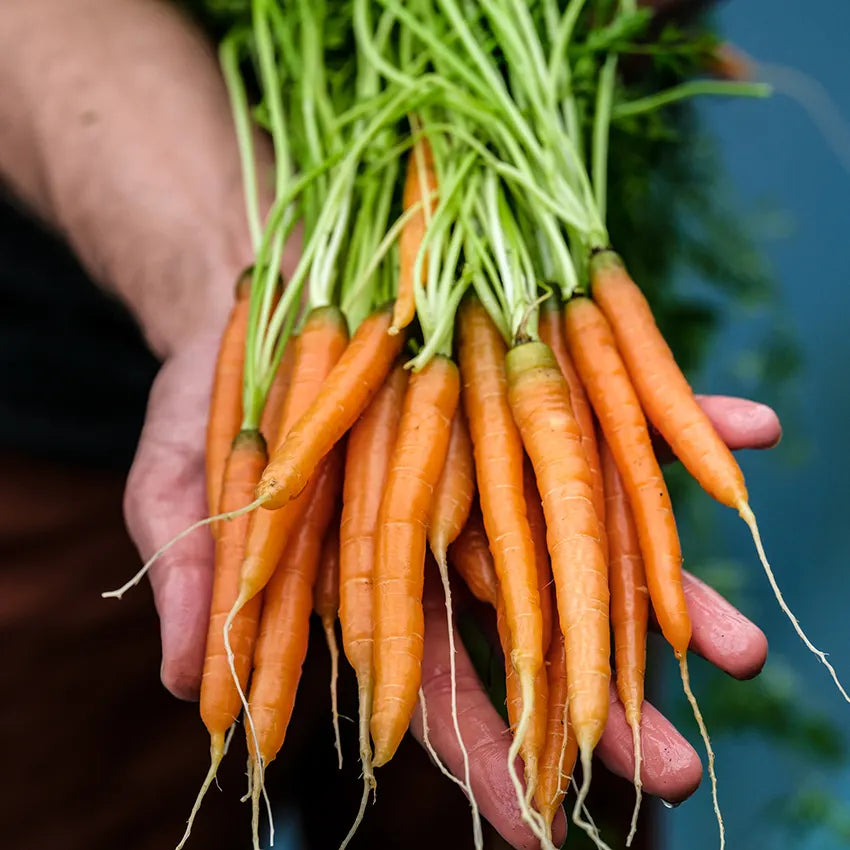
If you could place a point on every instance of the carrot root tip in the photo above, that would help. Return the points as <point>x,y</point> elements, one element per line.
<point>686,684</point>
<point>746,513</point>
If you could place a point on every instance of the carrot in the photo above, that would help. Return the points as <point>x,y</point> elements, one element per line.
<point>326,605</point>
<point>498,452</point>
<point>419,187</point>
<point>629,608</point>
<point>551,330</point>
<point>603,373</point>
<point>470,556</point>
<point>451,502</point>
<point>285,623</point>
<point>369,451</point>
<point>220,703</point>
<point>344,394</point>
<point>318,348</point>
<point>594,349</point>
<point>225,413</point>
<point>418,458</point>
<point>670,405</point>
<point>539,399</point>
<point>455,490</point>
<point>276,399</point>
<point>537,524</point>
<point>560,749</point>
<point>532,745</point>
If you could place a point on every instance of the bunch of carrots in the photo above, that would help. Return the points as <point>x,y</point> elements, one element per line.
<point>459,375</point>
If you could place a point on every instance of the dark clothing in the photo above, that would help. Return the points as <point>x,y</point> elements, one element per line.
<point>74,370</point>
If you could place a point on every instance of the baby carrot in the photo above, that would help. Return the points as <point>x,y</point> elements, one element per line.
<point>470,556</point>
<point>417,461</point>
<point>499,458</point>
<point>225,413</point>
<point>368,454</point>
<point>419,185</point>
<point>285,624</point>
<point>551,330</point>
<point>220,703</point>
<point>537,524</point>
<point>594,349</point>
<point>594,352</point>
<point>670,405</point>
<point>318,348</point>
<point>344,394</point>
<point>326,605</point>
<point>539,399</point>
<point>629,607</point>
<point>560,749</point>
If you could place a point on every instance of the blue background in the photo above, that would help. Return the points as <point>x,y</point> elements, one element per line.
<point>777,158</point>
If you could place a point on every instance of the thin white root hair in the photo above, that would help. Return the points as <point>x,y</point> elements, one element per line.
<point>330,637</point>
<point>218,748</point>
<point>231,663</point>
<point>532,819</point>
<point>637,782</point>
<point>686,684</point>
<point>478,835</point>
<point>749,518</point>
<point>369,784</point>
<point>586,822</point>
<point>227,517</point>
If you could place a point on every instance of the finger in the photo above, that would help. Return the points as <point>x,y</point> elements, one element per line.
<point>741,424</point>
<point>485,735</point>
<point>721,633</point>
<point>165,494</point>
<point>671,768</point>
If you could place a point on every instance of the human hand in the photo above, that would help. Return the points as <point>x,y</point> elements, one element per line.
<point>671,768</point>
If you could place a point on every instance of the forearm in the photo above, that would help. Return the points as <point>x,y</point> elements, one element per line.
<point>115,128</point>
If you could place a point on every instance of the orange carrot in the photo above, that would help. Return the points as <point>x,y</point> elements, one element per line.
<point>539,399</point>
<point>560,749</point>
<point>664,393</point>
<point>417,461</point>
<point>318,348</point>
<point>455,490</point>
<point>594,352</point>
<point>470,556</point>
<point>537,524</point>
<point>551,329</point>
<point>220,703</point>
<point>276,399</point>
<point>285,622</point>
<point>369,451</point>
<point>499,475</point>
<point>225,413</point>
<point>344,394</point>
<point>419,185</point>
<point>498,467</point>
<point>326,605</point>
<point>629,607</point>
<point>451,502</point>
